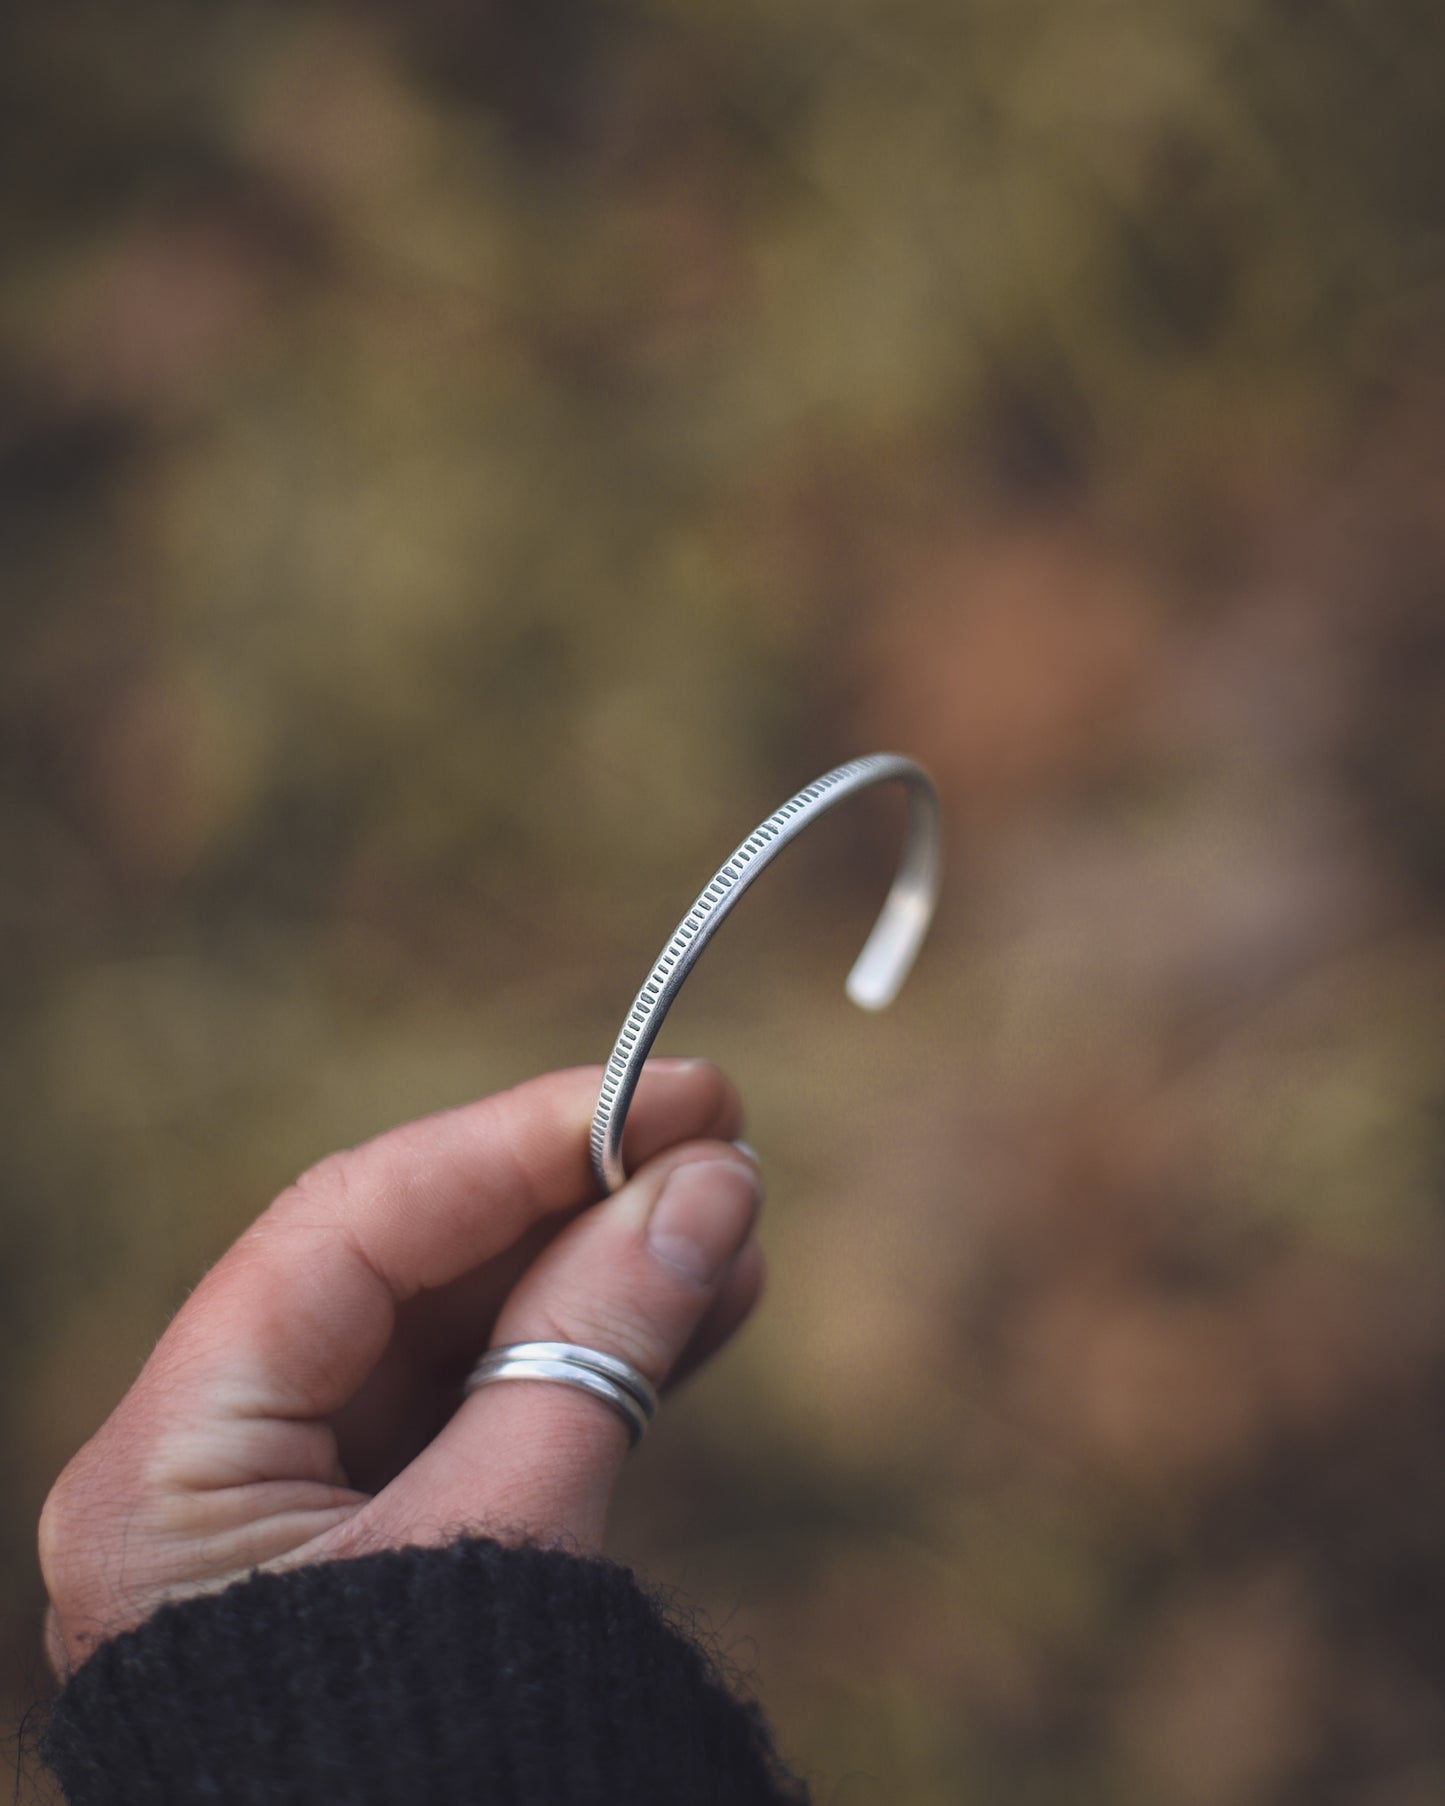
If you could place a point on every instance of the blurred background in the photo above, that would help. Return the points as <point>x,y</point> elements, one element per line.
<point>463,464</point>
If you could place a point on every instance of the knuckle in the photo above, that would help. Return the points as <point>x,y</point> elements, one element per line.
<point>328,1181</point>
<point>97,1552</point>
<point>56,1534</point>
<point>71,1527</point>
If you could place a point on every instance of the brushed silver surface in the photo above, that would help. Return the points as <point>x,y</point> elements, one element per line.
<point>615,1383</point>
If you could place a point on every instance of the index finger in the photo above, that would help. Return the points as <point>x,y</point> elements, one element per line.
<point>295,1316</point>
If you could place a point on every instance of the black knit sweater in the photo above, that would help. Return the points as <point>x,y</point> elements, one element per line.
<point>472,1674</point>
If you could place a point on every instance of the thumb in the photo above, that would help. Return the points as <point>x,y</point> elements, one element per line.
<point>633,1277</point>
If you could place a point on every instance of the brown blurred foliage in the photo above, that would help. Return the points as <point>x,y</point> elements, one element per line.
<point>461,465</point>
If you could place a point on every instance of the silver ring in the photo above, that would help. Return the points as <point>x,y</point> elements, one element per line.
<point>877,975</point>
<point>617,1383</point>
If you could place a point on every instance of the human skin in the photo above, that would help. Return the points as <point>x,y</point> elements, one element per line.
<point>305,1405</point>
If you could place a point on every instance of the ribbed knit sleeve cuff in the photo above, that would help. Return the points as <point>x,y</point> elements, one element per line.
<point>471,1674</point>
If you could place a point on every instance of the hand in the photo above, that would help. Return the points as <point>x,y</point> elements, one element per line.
<point>305,1403</point>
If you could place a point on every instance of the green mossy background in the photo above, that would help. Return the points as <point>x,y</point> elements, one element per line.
<point>461,465</point>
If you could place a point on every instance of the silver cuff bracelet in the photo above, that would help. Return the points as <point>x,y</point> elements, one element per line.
<point>877,974</point>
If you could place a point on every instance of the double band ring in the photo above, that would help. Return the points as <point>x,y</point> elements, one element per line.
<point>877,974</point>
<point>617,1383</point>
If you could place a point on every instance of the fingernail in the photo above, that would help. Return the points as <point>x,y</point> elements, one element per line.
<point>705,1214</point>
<point>747,1149</point>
